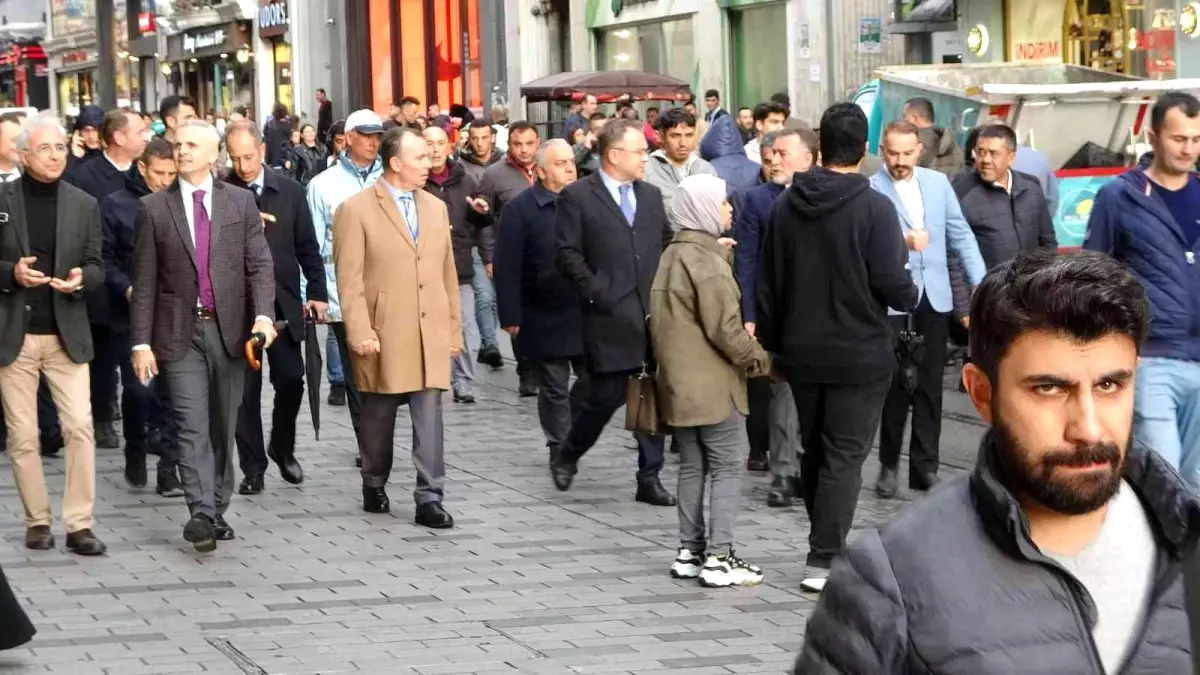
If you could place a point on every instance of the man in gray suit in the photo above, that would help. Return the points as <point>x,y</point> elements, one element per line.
<point>201,270</point>
<point>49,252</point>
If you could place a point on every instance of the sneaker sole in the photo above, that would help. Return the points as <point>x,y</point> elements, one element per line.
<point>709,584</point>
<point>675,574</point>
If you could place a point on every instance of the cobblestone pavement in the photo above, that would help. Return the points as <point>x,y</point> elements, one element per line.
<point>529,581</point>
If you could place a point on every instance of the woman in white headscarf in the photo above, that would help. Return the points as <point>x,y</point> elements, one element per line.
<point>704,355</point>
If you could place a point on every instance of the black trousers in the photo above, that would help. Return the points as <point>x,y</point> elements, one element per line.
<point>926,399</point>
<point>605,394</point>
<point>354,397</point>
<point>103,373</point>
<point>285,359</point>
<point>558,400</point>
<point>837,427</point>
<point>141,408</point>
<point>758,422</point>
<point>527,374</point>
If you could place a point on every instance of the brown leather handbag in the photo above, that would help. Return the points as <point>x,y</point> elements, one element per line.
<point>641,404</point>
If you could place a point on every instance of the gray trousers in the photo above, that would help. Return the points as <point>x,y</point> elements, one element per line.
<point>785,432</point>
<point>462,367</point>
<point>558,400</point>
<point>205,389</point>
<point>716,452</point>
<point>378,436</point>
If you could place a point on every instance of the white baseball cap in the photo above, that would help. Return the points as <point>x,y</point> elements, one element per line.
<point>364,122</point>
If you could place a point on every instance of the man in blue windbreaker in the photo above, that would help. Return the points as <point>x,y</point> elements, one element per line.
<point>1149,219</point>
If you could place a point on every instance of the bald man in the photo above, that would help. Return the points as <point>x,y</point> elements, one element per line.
<point>196,301</point>
<point>470,223</point>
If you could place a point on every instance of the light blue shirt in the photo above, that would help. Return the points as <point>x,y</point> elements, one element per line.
<point>614,188</point>
<point>256,185</point>
<point>408,212</point>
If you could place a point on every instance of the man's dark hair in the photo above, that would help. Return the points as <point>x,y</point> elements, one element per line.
<point>392,141</point>
<point>782,99</point>
<point>157,148</point>
<point>409,100</point>
<point>483,123</point>
<point>169,106</point>
<point>338,128</point>
<point>923,107</point>
<point>1185,102</point>
<point>651,109</point>
<point>674,117</point>
<point>746,107</point>
<point>1083,295</point>
<point>12,118</point>
<point>522,125</point>
<point>241,110</point>
<point>843,135</point>
<point>1001,131</point>
<point>114,121</point>
<point>712,93</point>
<point>764,110</point>
<point>320,90</point>
<point>969,146</point>
<point>613,133</point>
<point>597,116</point>
<point>808,138</point>
<point>279,111</point>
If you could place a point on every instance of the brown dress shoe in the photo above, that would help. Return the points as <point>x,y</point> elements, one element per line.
<point>84,542</point>
<point>39,538</point>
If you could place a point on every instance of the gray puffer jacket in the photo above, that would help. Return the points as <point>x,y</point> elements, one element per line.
<point>955,586</point>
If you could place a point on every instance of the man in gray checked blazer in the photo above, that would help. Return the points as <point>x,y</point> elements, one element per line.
<point>202,275</point>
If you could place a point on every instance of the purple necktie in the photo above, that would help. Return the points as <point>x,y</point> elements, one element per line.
<point>203,232</point>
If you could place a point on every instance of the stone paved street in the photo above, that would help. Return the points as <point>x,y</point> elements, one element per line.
<point>530,580</point>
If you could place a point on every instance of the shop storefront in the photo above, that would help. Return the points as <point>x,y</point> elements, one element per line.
<point>127,79</point>
<point>653,37</point>
<point>213,65</point>
<point>1144,38</point>
<point>143,52</point>
<point>429,49</point>
<point>274,21</point>
<point>758,54</point>
<point>75,79</point>
<point>72,55</point>
<point>25,77</point>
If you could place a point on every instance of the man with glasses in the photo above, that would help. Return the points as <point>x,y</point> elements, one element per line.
<point>611,229</point>
<point>44,330</point>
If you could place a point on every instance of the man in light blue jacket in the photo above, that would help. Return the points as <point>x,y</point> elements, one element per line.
<point>356,169</point>
<point>932,221</point>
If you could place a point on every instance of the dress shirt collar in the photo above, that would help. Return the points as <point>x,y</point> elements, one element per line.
<point>259,182</point>
<point>612,184</point>
<point>1007,188</point>
<point>10,175</point>
<point>396,192</point>
<point>118,167</point>
<point>206,185</point>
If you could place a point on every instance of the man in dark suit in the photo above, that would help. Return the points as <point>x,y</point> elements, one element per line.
<point>49,251</point>
<point>125,134</point>
<point>143,408</point>
<point>204,281</point>
<point>611,229</point>
<point>535,300</point>
<point>288,226</point>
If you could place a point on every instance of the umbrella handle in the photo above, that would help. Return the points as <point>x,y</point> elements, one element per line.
<point>255,342</point>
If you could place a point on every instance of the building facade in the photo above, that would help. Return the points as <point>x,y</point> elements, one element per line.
<point>24,75</point>
<point>299,47</point>
<point>1156,39</point>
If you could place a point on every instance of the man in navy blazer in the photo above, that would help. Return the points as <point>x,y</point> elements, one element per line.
<point>932,222</point>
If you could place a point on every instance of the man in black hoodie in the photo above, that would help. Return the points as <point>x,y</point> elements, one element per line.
<point>831,265</point>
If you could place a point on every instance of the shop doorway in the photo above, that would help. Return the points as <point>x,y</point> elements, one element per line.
<point>1132,37</point>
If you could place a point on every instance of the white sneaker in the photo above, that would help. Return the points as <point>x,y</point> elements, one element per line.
<point>729,570</point>
<point>687,564</point>
<point>814,579</point>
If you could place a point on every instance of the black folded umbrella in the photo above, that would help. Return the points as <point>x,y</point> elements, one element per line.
<point>910,349</point>
<point>312,371</point>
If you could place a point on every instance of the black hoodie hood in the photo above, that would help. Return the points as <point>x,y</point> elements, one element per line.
<point>818,192</point>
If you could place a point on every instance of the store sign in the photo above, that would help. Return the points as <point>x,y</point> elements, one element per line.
<point>195,42</point>
<point>79,56</point>
<point>146,25</point>
<point>1035,30</point>
<point>619,6</point>
<point>273,18</point>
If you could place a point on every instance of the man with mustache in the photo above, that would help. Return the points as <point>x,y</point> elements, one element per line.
<point>1063,552</point>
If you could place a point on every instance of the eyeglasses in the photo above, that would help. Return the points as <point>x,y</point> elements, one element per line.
<point>643,152</point>
<point>50,149</point>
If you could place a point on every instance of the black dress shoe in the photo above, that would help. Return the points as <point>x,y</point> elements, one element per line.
<point>337,395</point>
<point>758,464</point>
<point>563,472</point>
<point>375,500</point>
<point>135,469</point>
<point>289,468</point>
<point>39,538</point>
<point>84,542</point>
<point>922,482</point>
<point>222,530</point>
<point>491,357</point>
<point>465,397</point>
<point>652,492</point>
<point>168,484</point>
<point>431,514</point>
<point>50,445</point>
<point>199,532</point>
<point>887,486</point>
<point>780,495</point>
<point>106,436</point>
<point>527,390</point>
<point>251,485</point>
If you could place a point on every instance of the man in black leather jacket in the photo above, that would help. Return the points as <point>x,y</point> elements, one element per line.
<point>1063,552</point>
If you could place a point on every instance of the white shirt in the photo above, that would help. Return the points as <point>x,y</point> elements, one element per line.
<point>1007,188</point>
<point>910,196</point>
<point>754,151</point>
<point>256,185</point>
<point>11,175</point>
<point>116,166</point>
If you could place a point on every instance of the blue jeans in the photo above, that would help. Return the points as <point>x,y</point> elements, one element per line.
<point>462,367</point>
<point>333,360</point>
<point>485,304</point>
<point>1166,414</point>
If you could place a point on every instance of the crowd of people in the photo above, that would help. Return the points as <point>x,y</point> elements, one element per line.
<point>789,295</point>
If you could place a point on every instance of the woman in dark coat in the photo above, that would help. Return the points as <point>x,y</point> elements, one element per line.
<point>15,628</point>
<point>308,157</point>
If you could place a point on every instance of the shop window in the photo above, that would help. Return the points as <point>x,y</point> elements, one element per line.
<point>283,74</point>
<point>1135,37</point>
<point>666,47</point>
<point>412,49</point>
<point>456,26</point>
<point>759,37</point>
<point>380,16</point>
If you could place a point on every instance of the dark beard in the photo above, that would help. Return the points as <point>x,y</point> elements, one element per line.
<point>1036,477</point>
